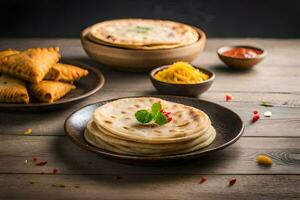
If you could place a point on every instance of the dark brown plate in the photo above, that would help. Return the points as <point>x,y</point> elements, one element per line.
<point>85,87</point>
<point>227,123</point>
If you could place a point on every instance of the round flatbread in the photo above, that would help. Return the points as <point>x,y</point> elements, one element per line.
<point>118,119</point>
<point>144,33</point>
<point>100,140</point>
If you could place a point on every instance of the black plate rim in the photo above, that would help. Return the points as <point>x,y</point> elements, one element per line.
<point>190,155</point>
<point>100,84</point>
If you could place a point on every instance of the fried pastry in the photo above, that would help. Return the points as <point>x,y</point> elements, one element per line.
<point>12,90</point>
<point>8,52</point>
<point>50,91</point>
<point>65,73</point>
<point>30,65</point>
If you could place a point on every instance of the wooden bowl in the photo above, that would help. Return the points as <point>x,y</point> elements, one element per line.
<point>140,60</point>
<point>240,63</point>
<point>182,89</point>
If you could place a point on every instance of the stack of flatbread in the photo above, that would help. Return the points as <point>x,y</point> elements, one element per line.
<point>144,34</point>
<point>115,128</point>
<point>36,70</point>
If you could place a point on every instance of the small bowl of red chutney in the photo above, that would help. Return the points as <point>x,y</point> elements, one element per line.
<point>241,57</point>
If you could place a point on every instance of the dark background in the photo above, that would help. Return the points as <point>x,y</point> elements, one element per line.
<point>223,18</point>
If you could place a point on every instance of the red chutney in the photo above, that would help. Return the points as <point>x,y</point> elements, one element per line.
<point>242,52</point>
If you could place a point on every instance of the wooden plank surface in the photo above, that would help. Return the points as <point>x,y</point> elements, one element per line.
<point>275,80</point>
<point>61,153</point>
<point>149,187</point>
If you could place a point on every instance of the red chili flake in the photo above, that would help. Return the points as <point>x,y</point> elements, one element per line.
<point>255,117</point>
<point>34,159</point>
<point>42,163</point>
<point>232,182</point>
<point>255,112</point>
<point>55,171</point>
<point>228,97</point>
<point>202,180</point>
<point>166,113</point>
<point>116,177</point>
<point>169,119</point>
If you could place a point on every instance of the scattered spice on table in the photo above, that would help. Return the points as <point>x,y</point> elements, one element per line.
<point>266,104</point>
<point>28,131</point>
<point>32,182</point>
<point>42,173</point>
<point>264,160</point>
<point>228,97</point>
<point>55,171</point>
<point>76,186</point>
<point>202,180</point>
<point>54,185</point>
<point>34,159</point>
<point>62,185</point>
<point>232,181</point>
<point>268,114</point>
<point>42,163</point>
<point>255,116</point>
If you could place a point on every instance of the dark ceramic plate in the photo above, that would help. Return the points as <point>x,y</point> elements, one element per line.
<point>228,125</point>
<point>85,87</point>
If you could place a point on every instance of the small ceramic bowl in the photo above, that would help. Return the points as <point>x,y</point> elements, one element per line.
<point>241,63</point>
<point>182,89</point>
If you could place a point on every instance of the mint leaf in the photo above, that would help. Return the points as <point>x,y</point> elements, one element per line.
<point>160,119</point>
<point>156,107</point>
<point>143,116</point>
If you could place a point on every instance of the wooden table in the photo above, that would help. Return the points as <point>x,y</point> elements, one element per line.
<point>83,175</point>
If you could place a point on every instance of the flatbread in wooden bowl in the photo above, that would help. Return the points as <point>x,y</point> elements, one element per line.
<point>143,33</point>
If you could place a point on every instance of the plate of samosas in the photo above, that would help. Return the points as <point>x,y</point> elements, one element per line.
<point>35,78</point>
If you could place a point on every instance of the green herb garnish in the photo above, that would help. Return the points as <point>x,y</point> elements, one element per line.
<point>144,116</point>
<point>266,104</point>
<point>142,29</point>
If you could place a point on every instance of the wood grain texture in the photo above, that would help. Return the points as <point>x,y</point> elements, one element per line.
<point>148,187</point>
<point>275,80</point>
<point>240,158</point>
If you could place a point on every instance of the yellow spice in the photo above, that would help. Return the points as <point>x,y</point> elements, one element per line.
<point>264,160</point>
<point>181,73</point>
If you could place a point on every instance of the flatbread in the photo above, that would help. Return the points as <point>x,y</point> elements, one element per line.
<point>50,91</point>
<point>65,73</point>
<point>8,52</point>
<point>30,65</point>
<point>143,32</point>
<point>12,90</point>
<point>118,118</point>
<point>142,149</point>
<point>144,47</point>
<point>115,128</point>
